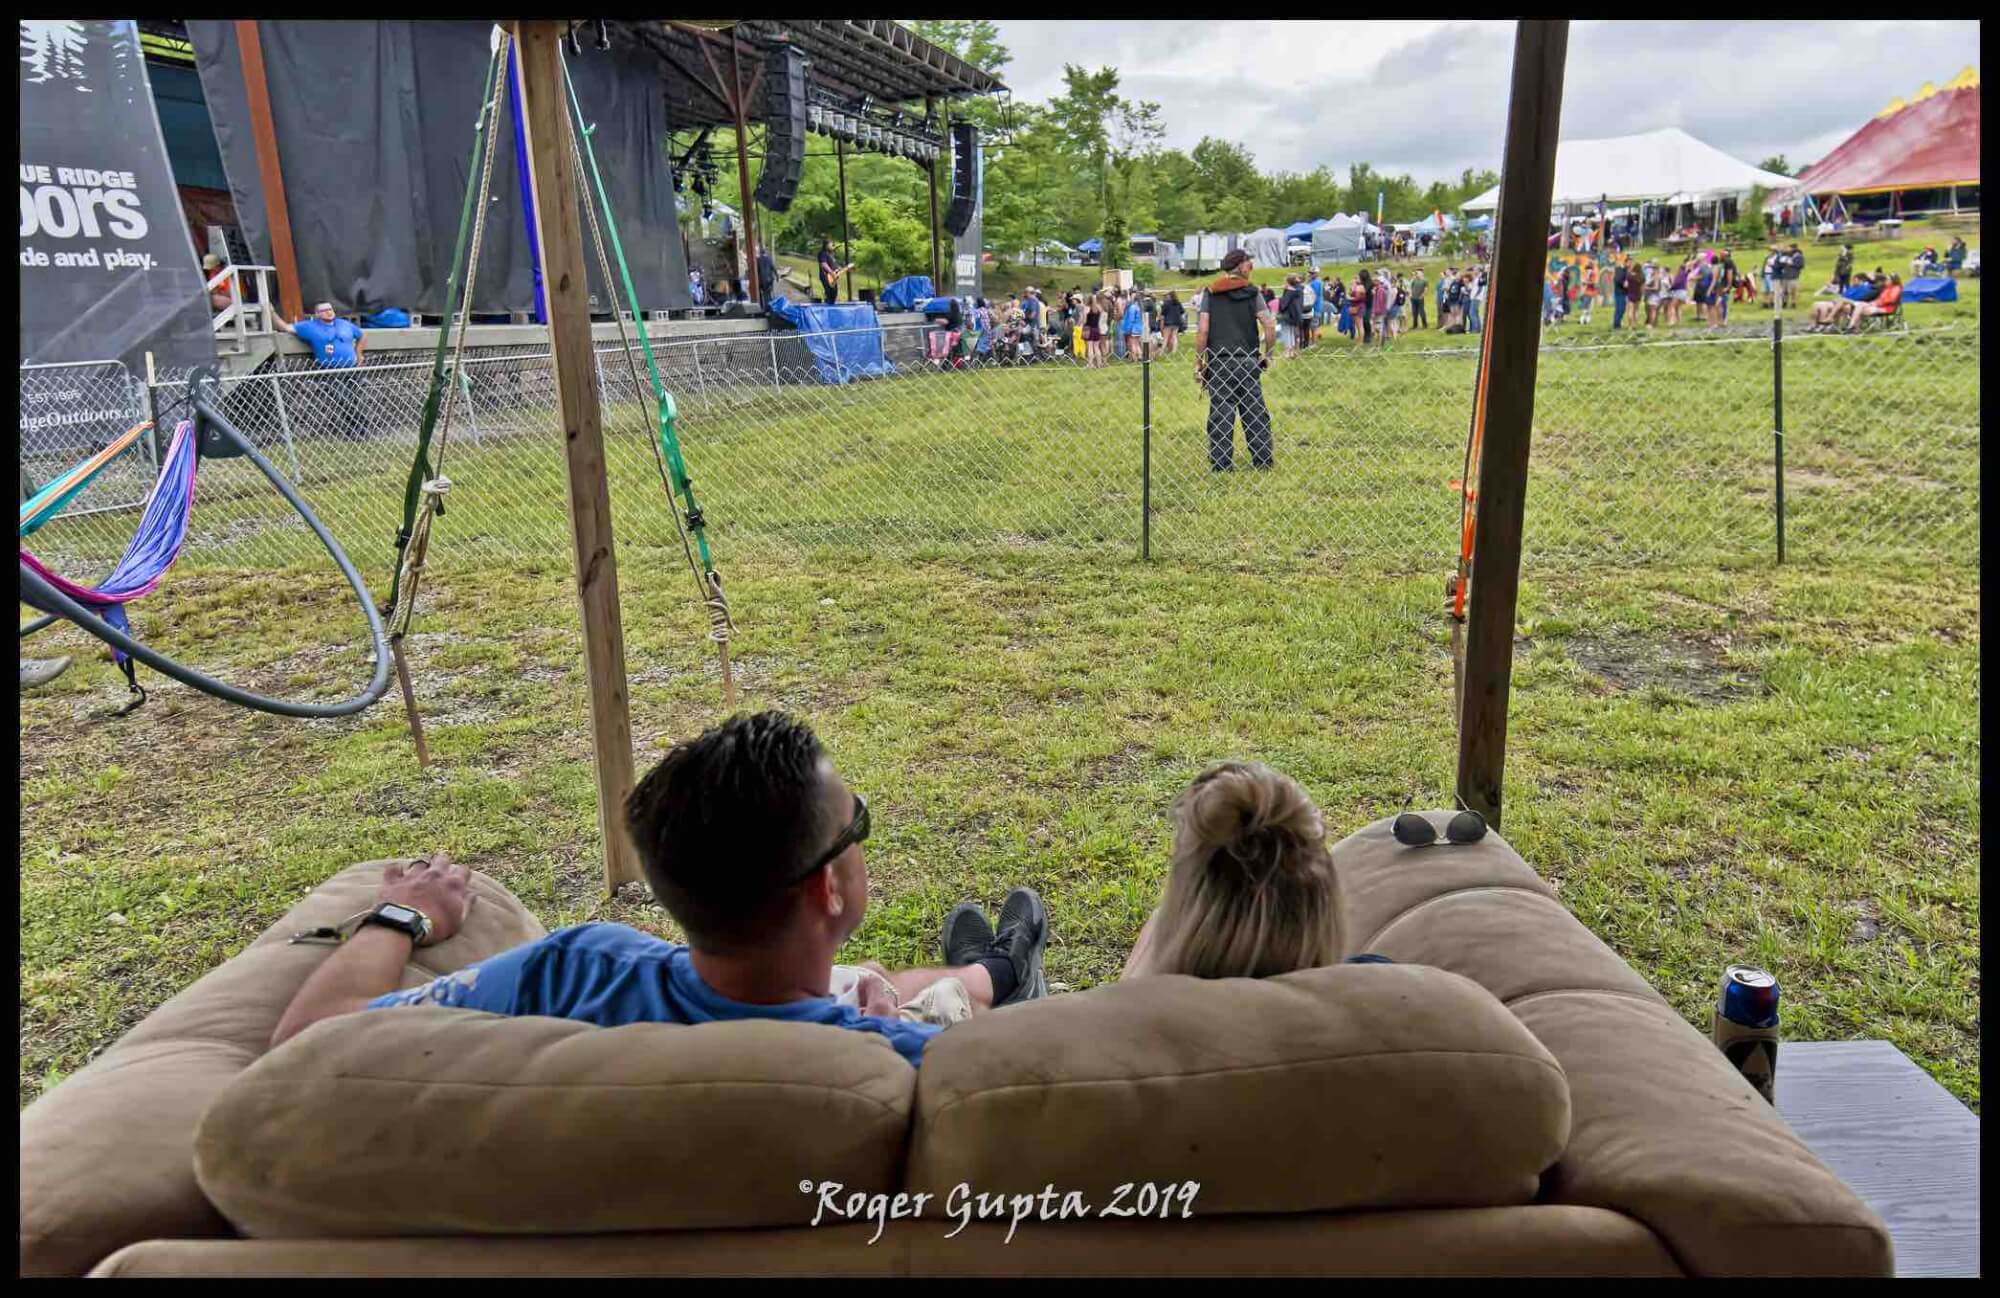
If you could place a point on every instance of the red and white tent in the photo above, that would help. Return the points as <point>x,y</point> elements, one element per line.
<point>1930,141</point>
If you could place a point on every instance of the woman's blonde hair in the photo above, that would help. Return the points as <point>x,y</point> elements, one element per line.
<point>1250,889</point>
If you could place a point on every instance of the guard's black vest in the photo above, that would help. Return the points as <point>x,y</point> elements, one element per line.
<point>1232,319</point>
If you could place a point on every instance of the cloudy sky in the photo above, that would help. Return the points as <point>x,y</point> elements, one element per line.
<point>1430,98</point>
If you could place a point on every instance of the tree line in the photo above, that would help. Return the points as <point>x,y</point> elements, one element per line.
<point>1088,163</point>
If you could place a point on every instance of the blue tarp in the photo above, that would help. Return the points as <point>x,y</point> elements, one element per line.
<point>905,293</point>
<point>1480,223</point>
<point>1091,245</point>
<point>845,339</point>
<point>1303,229</point>
<point>392,317</point>
<point>937,306</point>
<point>1931,290</point>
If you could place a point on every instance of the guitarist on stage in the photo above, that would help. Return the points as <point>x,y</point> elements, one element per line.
<point>829,273</point>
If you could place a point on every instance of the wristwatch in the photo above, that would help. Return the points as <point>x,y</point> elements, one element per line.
<point>404,919</point>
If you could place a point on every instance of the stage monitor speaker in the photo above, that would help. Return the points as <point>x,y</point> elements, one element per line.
<point>785,116</point>
<point>964,178</point>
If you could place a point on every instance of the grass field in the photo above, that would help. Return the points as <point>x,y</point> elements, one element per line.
<point>1714,759</point>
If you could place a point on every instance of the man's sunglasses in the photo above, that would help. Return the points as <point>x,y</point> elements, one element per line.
<point>1412,830</point>
<point>856,831</point>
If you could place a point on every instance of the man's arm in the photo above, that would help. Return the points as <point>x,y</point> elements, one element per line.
<point>1201,345</point>
<point>370,963</point>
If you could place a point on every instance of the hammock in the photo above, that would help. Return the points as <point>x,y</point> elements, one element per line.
<point>54,498</point>
<point>154,547</point>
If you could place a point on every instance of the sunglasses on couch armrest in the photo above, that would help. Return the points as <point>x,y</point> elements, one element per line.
<point>1413,830</point>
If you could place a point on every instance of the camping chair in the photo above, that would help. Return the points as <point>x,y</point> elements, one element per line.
<point>1893,320</point>
<point>941,349</point>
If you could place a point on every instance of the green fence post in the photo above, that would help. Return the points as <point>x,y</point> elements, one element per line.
<point>1778,421</point>
<point>1146,450</point>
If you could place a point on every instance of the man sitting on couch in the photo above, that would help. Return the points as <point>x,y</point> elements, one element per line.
<point>752,842</point>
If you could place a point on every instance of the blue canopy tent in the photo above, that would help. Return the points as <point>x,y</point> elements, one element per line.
<point>1303,229</point>
<point>1931,290</point>
<point>906,293</point>
<point>1429,225</point>
<point>1090,247</point>
<point>845,339</point>
<point>1480,223</point>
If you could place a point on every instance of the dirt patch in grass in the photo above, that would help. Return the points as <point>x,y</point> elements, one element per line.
<point>1679,662</point>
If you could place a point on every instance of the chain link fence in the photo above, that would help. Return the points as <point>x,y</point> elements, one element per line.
<point>1643,451</point>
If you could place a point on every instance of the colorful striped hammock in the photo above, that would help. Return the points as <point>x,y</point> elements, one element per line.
<point>162,531</point>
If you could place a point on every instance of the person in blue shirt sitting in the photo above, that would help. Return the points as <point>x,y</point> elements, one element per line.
<point>336,344</point>
<point>752,841</point>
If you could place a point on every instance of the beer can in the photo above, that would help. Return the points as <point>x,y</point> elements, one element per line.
<point>1746,1026</point>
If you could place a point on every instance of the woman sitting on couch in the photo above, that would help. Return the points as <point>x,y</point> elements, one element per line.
<point>1251,890</point>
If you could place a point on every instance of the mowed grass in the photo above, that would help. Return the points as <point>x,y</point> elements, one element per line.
<point>1713,766</point>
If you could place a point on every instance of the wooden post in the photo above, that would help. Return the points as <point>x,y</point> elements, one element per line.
<point>265,136</point>
<point>937,272</point>
<point>1534,113</point>
<point>559,236</point>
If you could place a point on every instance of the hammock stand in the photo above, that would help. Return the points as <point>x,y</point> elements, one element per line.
<point>424,491</point>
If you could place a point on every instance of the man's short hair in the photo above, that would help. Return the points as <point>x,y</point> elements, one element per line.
<point>724,824</point>
<point>1231,260</point>
<point>322,306</point>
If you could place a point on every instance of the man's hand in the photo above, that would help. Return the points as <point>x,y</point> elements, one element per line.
<point>434,885</point>
<point>875,994</point>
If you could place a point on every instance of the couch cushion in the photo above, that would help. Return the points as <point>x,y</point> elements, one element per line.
<point>107,1156</point>
<point>1361,1086</point>
<point>1665,1130</point>
<point>439,1121</point>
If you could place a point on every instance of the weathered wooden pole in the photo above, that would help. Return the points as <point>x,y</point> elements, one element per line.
<point>271,178</point>
<point>1527,174</point>
<point>559,240</point>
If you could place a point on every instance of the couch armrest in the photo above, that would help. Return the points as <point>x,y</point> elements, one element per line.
<point>107,1157</point>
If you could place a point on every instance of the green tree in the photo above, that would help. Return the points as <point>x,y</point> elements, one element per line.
<point>1776,162</point>
<point>1225,171</point>
<point>888,243</point>
<point>975,40</point>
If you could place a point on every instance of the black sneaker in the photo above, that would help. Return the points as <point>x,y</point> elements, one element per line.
<point>967,935</point>
<point>1024,933</point>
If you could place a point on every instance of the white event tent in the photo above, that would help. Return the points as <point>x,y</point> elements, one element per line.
<point>1667,166</point>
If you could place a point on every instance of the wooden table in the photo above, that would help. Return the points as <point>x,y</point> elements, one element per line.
<point>1900,1140</point>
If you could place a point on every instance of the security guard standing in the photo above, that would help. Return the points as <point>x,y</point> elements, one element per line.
<point>1228,364</point>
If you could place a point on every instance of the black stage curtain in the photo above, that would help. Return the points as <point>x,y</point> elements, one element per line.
<point>374,123</point>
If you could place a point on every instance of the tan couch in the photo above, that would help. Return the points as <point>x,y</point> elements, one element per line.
<point>1509,1098</point>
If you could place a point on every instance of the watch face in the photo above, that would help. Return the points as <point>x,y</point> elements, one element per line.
<point>401,914</point>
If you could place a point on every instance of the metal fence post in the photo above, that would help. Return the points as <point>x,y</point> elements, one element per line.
<point>1778,421</point>
<point>772,339</point>
<point>285,427</point>
<point>700,387</point>
<point>1146,451</point>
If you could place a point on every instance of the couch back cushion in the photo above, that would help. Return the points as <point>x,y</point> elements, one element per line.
<point>1359,1086</point>
<point>435,1121</point>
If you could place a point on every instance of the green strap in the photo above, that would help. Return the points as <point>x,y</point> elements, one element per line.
<point>670,444</point>
<point>420,468</point>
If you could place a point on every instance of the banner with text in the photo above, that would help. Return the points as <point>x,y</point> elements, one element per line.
<point>107,271</point>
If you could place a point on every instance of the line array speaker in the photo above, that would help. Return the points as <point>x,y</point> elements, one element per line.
<point>964,178</point>
<point>785,116</point>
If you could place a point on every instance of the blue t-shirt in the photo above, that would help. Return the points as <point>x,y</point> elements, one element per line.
<point>611,975</point>
<point>1134,319</point>
<point>332,344</point>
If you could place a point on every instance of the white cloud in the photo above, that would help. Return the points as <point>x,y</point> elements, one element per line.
<point>1430,98</point>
